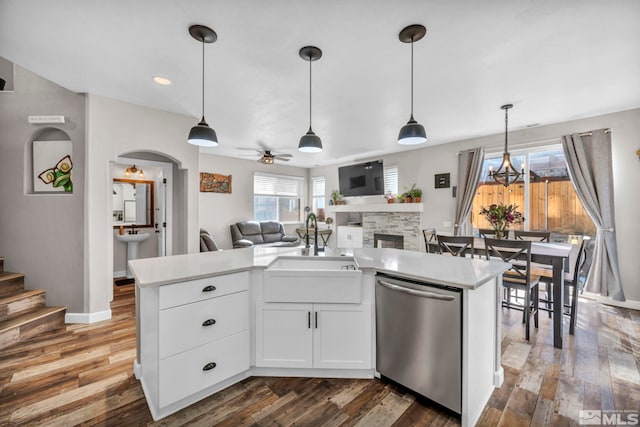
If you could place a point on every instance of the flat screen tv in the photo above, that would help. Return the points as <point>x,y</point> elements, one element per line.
<point>363,179</point>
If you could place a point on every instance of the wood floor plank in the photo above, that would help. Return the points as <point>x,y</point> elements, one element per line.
<point>26,413</point>
<point>387,413</point>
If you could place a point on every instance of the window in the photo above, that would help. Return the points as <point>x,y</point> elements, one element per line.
<point>391,180</point>
<point>318,196</point>
<point>276,197</point>
<point>545,195</point>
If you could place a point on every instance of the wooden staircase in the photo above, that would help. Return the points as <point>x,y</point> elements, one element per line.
<point>23,313</point>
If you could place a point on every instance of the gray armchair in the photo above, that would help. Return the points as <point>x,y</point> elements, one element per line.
<point>245,234</point>
<point>207,244</point>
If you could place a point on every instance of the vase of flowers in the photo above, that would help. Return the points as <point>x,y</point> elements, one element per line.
<point>501,217</point>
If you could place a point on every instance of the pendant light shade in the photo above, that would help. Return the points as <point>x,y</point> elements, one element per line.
<point>412,133</point>
<point>201,134</point>
<point>310,142</point>
<point>506,173</point>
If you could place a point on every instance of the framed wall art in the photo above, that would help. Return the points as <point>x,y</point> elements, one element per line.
<point>52,166</point>
<point>215,183</point>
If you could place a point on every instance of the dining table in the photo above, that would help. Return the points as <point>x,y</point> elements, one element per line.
<point>556,255</point>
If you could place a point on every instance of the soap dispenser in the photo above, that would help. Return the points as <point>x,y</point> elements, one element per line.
<point>122,230</point>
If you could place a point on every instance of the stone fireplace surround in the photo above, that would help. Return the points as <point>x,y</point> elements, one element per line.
<point>394,218</point>
<point>406,224</point>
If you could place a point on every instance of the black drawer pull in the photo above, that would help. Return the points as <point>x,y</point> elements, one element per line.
<point>209,322</point>
<point>209,288</point>
<point>209,366</point>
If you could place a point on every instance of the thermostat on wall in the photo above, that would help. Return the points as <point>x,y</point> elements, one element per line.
<point>442,180</point>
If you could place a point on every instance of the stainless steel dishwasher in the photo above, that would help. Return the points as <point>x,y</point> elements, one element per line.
<point>419,338</point>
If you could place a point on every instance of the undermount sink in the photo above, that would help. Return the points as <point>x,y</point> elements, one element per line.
<point>313,263</point>
<point>132,241</point>
<point>132,238</point>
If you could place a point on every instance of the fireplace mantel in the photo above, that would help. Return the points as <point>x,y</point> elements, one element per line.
<point>377,207</point>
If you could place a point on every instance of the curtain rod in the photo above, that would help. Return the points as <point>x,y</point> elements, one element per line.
<point>591,133</point>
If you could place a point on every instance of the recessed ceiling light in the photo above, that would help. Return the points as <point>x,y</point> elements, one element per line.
<point>162,80</point>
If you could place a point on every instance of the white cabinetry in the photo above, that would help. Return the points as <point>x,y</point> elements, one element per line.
<point>349,237</point>
<point>336,336</point>
<point>194,339</point>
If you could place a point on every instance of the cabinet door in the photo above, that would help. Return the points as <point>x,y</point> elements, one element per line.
<point>284,335</point>
<point>342,336</point>
<point>356,237</point>
<point>349,237</point>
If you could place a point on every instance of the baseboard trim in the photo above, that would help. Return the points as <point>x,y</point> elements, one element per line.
<point>97,316</point>
<point>632,304</point>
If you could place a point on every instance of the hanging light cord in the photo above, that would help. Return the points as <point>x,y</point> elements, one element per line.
<point>412,77</point>
<point>506,128</point>
<point>203,77</point>
<point>309,91</point>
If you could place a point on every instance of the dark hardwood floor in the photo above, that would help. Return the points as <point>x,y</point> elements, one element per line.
<point>83,375</point>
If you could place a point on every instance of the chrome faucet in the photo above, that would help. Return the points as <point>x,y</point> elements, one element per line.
<point>315,233</point>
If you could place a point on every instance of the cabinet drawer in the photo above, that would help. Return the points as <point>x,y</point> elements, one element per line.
<point>181,328</point>
<point>200,289</point>
<point>183,375</point>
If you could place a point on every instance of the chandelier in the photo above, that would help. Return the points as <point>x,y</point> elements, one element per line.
<point>506,174</point>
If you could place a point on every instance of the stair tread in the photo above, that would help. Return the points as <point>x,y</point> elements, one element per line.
<point>29,317</point>
<point>20,295</point>
<point>6,275</point>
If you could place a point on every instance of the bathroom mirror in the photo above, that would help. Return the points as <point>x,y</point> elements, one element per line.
<point>132,203</point>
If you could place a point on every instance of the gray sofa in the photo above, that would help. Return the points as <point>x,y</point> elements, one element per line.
<point>265,233</point>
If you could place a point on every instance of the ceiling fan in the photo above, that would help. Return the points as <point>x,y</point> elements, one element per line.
<point>269,158</point>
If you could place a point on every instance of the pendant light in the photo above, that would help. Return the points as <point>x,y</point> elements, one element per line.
<point>506,174</point>
<point>201,134</point>
<point>310,142</point>
<point>413,132</point>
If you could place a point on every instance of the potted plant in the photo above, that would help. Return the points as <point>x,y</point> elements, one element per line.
<point>390,197</point>
<point>416,194</point>
<point>337,198</point>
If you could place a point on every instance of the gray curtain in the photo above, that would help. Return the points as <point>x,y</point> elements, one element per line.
<point>590,169</point>
<point>469,171</point>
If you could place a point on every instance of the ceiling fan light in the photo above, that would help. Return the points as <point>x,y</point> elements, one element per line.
<point>202,135</point>
<point>412,133</point>
<point>310,143</point>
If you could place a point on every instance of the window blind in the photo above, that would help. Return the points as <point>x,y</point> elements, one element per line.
<point>391,180</point>
<point>277,185</point>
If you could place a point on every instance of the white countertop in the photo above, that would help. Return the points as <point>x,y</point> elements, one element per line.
<point>438,269</point>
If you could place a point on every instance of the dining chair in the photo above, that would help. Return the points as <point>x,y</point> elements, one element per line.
<point>573,282</point>
<point>456,245</point>
<point>534,236</point>
<point>519,276</point>
<point>430,240</point>
<point>490,233</point>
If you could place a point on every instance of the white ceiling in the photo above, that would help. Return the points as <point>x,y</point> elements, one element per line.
<point>554,60</point>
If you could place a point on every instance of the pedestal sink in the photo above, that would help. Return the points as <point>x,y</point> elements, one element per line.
<point>132,241</point>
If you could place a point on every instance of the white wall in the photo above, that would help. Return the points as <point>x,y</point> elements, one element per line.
<point>115,128</point>
<point>41,235</point>
<point>219,211</point>
<point>422,164</point>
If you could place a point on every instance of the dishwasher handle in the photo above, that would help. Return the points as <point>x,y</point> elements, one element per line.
<point>415,292</point>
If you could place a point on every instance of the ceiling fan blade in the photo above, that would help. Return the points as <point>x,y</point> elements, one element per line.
<point>284,159</point>
<point>283,155</point>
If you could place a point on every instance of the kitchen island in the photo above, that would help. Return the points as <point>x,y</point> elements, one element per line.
<point>208,320</point>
